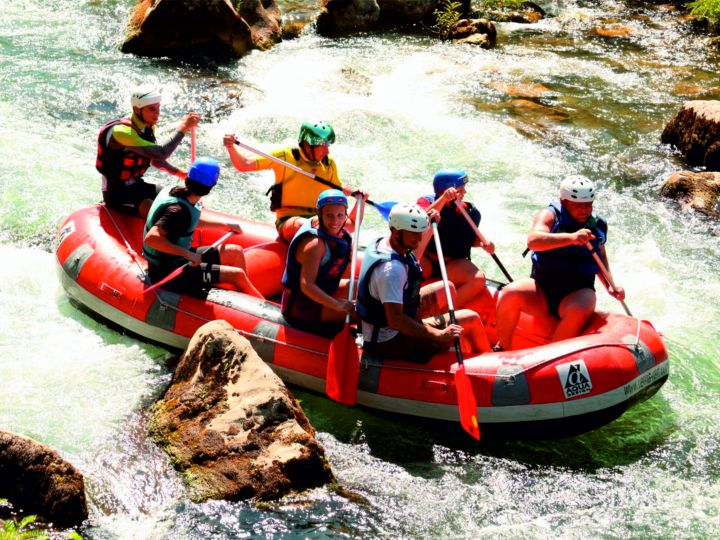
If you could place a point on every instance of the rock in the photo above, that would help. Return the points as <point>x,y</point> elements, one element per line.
<point>699,191</point>
<point>201,27</point>
<point>528,13</point>
<point>474,31</point>
<point>695,131</point>
<point>347,16</point>
<point>230,425</point>
<point>526,90</point>
<point>37,480</point>
<point>613,31</point>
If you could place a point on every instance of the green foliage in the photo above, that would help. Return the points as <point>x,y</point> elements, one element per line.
<point>486,5</point>
<point>12,530</point>
<point>447,17</point>
<point>706,9</point>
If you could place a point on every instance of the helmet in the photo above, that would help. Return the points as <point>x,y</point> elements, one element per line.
<point>205,171</point>
<point>577,188</point>
<point>145,95</point>
<point>408,217</point>
<point>447,178</point>
<point>331,196</point>
<point>316,133</point>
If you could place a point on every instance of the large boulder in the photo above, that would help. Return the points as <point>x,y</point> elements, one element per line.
<point>695,131</point>
<point>347,16</point>
<point>231,426</point>
<point>37,480</point>
<point>475,32</point>
<point>699,191</point>
<point>216,28</point>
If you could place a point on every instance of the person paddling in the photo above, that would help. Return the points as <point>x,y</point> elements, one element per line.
<point>457,237</point>
<point>171,222</point>
<point>562,282</point>
<point>293,194</point>
<point>390,296</point>
<point>317,258</point>
<point>127,147</point>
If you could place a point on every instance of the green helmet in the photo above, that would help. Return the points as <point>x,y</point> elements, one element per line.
<point>316,133</point>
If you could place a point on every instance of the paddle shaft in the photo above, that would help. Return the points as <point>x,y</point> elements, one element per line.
<point>483,240</point>
<point>296,169</point>
<point>353,261</point>
<point>606,276</point>
<point>175,273</point>
<point>446,284</point>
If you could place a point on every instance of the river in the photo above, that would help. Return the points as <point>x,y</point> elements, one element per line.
<point>402,106</point>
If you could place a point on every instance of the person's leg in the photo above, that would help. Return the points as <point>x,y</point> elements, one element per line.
<point>289,227</point>
<point>227,265</point>
<point>473,338</point>
<point>238,278</point>
<point>520,296</point>
<point>469,280</point>
<point>575,310</point>
<point>433,300</point>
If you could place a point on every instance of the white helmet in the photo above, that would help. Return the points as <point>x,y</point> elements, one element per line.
<point>143,96</point>
<point>408,217</point>
<point>577,188</point>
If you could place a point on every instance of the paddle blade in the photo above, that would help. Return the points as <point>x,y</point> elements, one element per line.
<point>343,368</point>
<point>383,207</point>
<point>466,403</point>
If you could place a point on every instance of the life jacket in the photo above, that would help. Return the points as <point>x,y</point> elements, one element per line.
<point>294,192</point>
<point>122,164</point>
<point>164,199</point>
<point>574,261</point>
<point>371,309</point>
<point>330,271</point>
<point>456,235</point>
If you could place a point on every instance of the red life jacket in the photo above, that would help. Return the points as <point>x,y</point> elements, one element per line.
<point>121,164</point>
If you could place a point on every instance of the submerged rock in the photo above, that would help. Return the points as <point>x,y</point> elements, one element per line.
<point>698,191</point>
<point>231,426</point>
<point>695,131</point>
<point>37,480</point>
<point>202,27</point>
<point>474,32</point>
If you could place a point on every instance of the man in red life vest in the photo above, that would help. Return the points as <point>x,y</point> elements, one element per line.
<point>126,149</point>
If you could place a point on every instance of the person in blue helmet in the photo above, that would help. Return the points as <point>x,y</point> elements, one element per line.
<point>457,237</point>
<point>318,256</point>
<point>562,282</point>
<point>171,222</point>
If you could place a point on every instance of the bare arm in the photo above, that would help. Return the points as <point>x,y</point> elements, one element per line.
<point>410,327</point>
<point>241,162</point>
<point>309,254</point>
<point>155,238</point>
<point>541,239</point>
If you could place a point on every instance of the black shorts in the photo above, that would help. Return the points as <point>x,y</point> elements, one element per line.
<point>558,287</point>
<point>126,198</point>
<point>194,280</point>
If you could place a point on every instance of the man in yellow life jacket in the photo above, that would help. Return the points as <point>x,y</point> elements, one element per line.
<point>293,195</point>
<point>127,147</point>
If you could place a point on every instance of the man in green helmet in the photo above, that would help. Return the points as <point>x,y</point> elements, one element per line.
<point>293,195</point>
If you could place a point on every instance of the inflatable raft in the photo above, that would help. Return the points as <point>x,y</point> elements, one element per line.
<point>538,389</point>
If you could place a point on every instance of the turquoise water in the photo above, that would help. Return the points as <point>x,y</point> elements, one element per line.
<point>402,107</point>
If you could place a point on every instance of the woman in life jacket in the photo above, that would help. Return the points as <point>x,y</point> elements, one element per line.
<point>562,282</point>
<point>457,237</point>
<point>319,253</point>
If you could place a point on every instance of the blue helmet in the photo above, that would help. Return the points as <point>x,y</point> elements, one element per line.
<point>205,171</point>
<point>331,196</point>
<point>447,178</point>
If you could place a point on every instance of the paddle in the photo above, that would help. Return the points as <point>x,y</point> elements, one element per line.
<point>482,239</point>
<point>382,207</point>
<point>343,368</point>
<point>175,273</point>
<point>609,283</point>
<point>466,398</point>
<point>192,145</point>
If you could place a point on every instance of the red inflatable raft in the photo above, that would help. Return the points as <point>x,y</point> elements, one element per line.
<point>537,389</point>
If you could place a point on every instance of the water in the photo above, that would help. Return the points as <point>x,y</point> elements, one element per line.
<point>402,107</point>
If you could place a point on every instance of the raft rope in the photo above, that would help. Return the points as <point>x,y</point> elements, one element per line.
<point>260,337</point>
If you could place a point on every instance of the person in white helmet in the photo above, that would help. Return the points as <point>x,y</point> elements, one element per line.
<point>390,296</point>
<point>127,147</point>
<point>562,282</point>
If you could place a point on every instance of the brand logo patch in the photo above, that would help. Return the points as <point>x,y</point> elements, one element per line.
<point>575,379</point>
<point>66,231</point>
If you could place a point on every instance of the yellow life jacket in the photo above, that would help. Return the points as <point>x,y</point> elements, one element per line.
<point>293,193</point>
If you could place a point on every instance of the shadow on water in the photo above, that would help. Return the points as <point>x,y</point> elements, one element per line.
<point>414,443</point>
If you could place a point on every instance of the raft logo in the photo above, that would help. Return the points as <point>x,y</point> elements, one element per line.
<point>66,231</point>
<point>575,379</point>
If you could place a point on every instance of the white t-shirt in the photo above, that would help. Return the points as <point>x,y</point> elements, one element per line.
<point>387,284</point>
